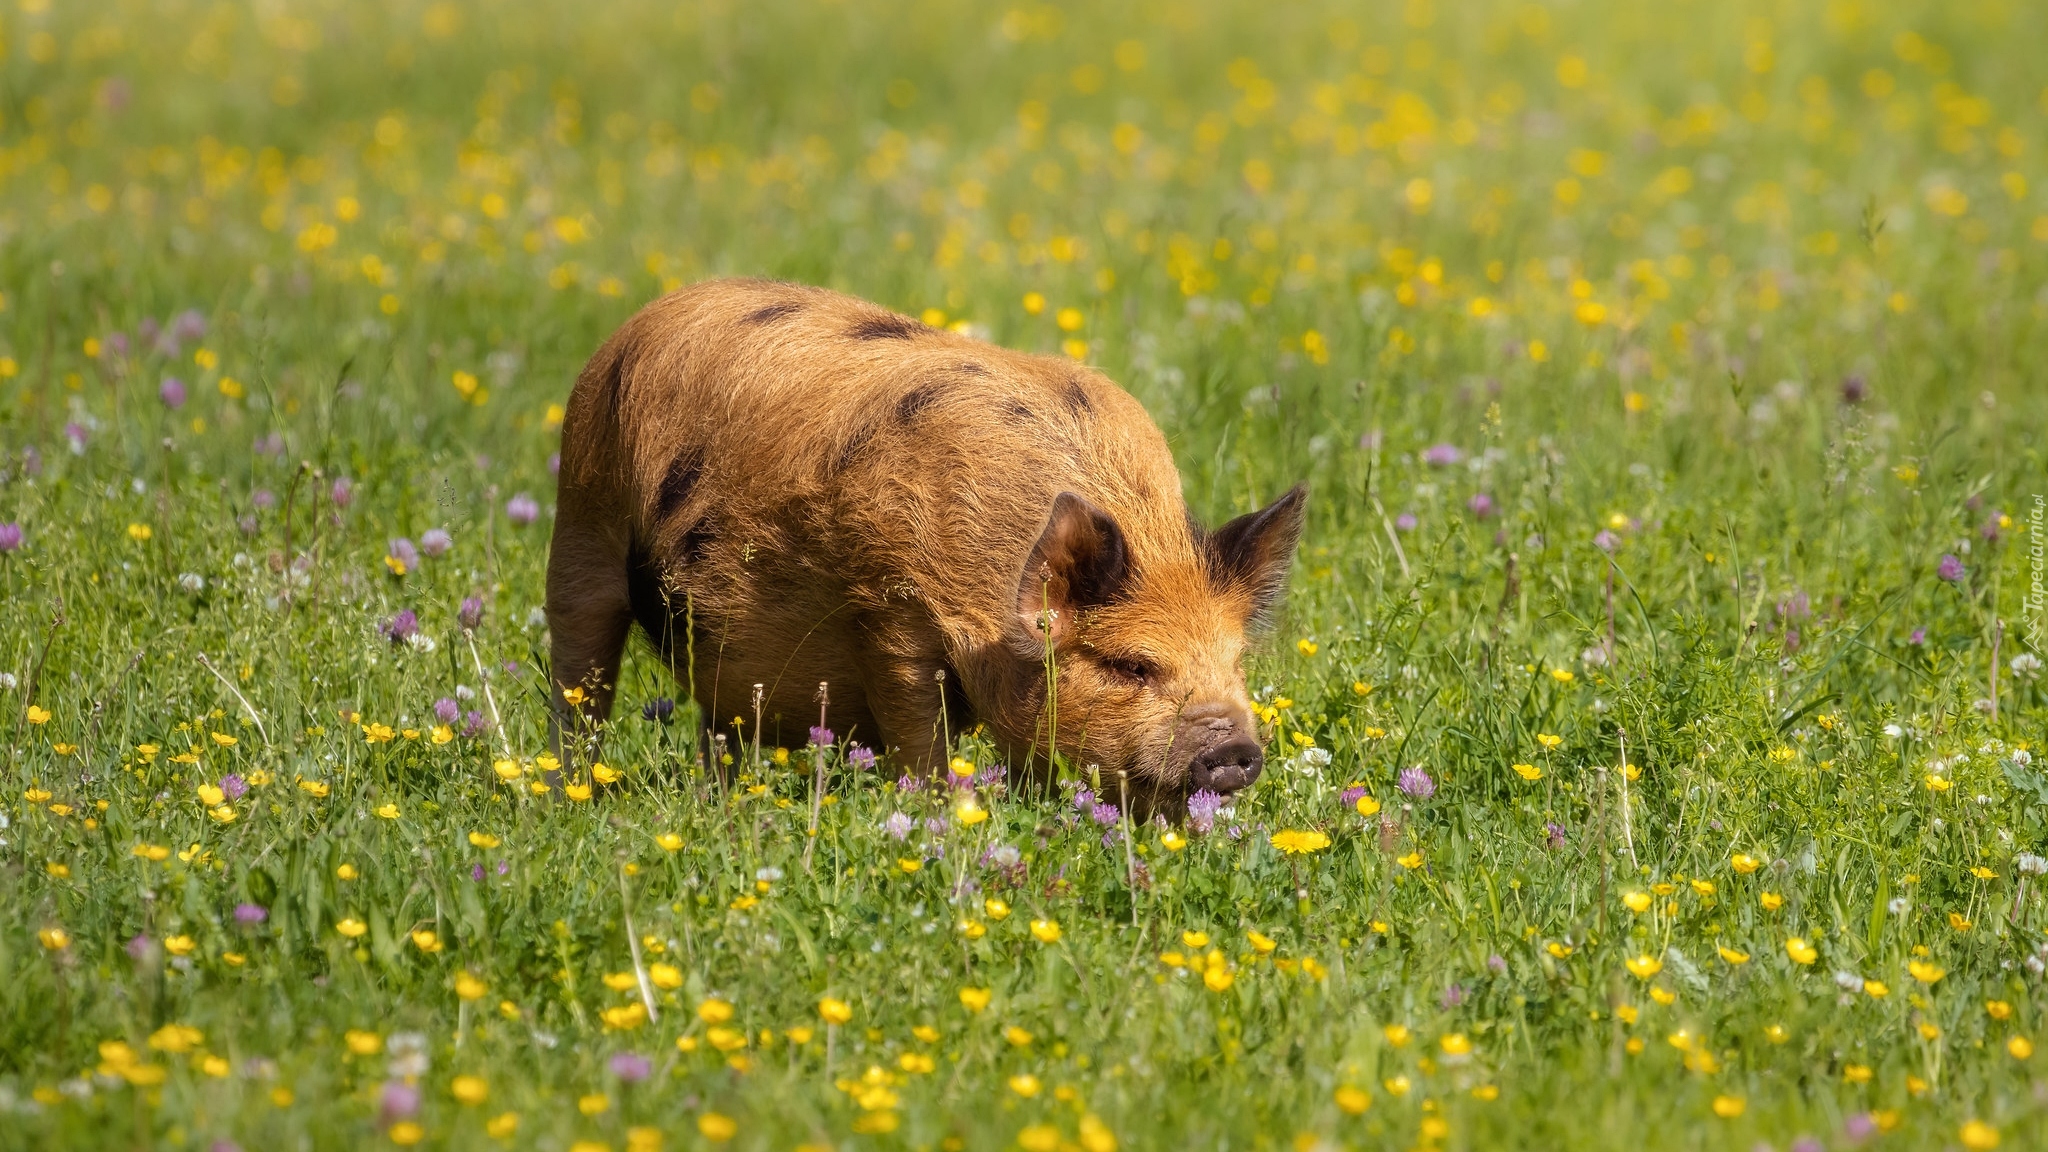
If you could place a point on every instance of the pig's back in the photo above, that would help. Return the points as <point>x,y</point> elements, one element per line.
<point>773,431</point>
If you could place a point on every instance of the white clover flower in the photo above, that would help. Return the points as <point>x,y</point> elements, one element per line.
<point>2025,666</point>
<point>2030,864</point>
<point>192,582</point>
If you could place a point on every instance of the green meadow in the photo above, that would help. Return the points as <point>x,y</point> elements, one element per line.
<point>1655,722</point>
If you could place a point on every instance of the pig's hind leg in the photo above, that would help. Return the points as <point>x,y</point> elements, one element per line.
<point>589,614</point>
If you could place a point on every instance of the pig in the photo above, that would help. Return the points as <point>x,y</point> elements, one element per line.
<point>784,486</point>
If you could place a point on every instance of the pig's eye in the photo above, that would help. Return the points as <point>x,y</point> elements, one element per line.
<point>1130,671</point>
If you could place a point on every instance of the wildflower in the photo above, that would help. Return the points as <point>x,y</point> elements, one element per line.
<point>1978,1136</point>
<point>1025,1084</point>
<point>54,939</point>
<point>436,542</point>
<point>1876,989</point>
<point>1456,1044</point>
<point>1950,569</point>
<point>1800,951</point>
<point>469,986</point>
<point>1732,956</point>
<point>1352,1101</point>
<point>835,1011</point>
<point>522,509</point>
<point>251,913</point>
<point>1771,901</point>
<point>1411,861</point>
<point>975,999</point>
<point>1998,1009</point>
<point>1367,806</point>
<point>502,1126</point>
<point>1550,743</point>
<point>172,393</point>
<point>1528,772</point>
<point>1637,902</point>
<point>38,715</point>
<point>1744,863</point>
<point>1295,843</point>
<point>2019,1047</point>
<point>1261,943</point>
<point>630,1067</point>
<point>1926,971</point>
<point>576,792</point>
<point>898,824</point>
<point>1415,782</point>
<point>1728,1107</point>
<point>1018,1037</point>
<point>1172,841</point>
<point>717,1127</point>
<point>401,557</point>
<point>471,1090</point>
<point>10,537</point>
<point>1397,1034</point>
<point>1046,931</point>
<point>1645,966</point>
<point>351,927</point>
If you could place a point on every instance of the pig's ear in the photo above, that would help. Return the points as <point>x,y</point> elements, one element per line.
<point>1250,555</point>
<point>1080,562</point>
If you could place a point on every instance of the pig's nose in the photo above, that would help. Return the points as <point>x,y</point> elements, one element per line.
<point>1227,766</point>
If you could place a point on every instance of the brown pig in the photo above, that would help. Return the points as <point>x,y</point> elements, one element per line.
<point>785,486</point>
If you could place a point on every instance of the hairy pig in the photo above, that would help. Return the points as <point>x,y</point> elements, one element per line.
<point>785,486</point>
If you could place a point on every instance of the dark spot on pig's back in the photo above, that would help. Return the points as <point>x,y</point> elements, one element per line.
<point>773,312</point>
<point>1076,398</point>
<point>915,401</point>
<point>852,448</point>
<point>1018,412</point>
<point>696,543</point>
<point>680,480</point>
<point>885,326</point>
<point>970,368</point>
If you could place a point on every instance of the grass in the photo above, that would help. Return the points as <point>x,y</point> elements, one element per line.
<point>1645,364</point>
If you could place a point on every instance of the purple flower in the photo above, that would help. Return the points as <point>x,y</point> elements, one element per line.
<point>1859,1127</point>
<point>990,776</point>
<point>188,325</point>
<point>402,627</point>
<point>1481,505</point>
<point>171,392</point>
<point>522,509</point>
<point>1349,797</point>
<point>471,613</point>
<point>659,710</point>
<point>1808,1144</point>
<point>1606,541</point>
<point>1441,455</point>
<point>269,444</point>
<point>1497,964</point>
<point>436,541</point>
<point>1553,834</point>
<point>233,786</point>
<point>861,758</point>
<point>1797,606</point>
<point>1202,809</point>
<point>10,536</point>
<point>473,722</point>
<point>898,825</point>
<point>1854,391</point>
<point>476,872</point>
<point>248,523</point>
<point>1991,531</point>
<point>1453,996</point>
<point>630,1067</point>
<point>341,492</point>
<point>1084,800</point>
<point>147,330</point>
<point>114,346</point>
<point>264,499</point>
<point>936,825</point>
<point>555,464</point>
<point>446,710</point>
<point>75,434</point>
<point>1105,814</point>
<point>821,737</point>
<point>1415,782</point>
<point>1406,522</point>
<point>504,866</point>
<point>32,461</point>
<point>251,913</point>
<point>396,1101</point>
<point>907,783</point>
<point>402,551</point>
<point>1951,569</point>
<point>1918,637</point>
<point>140,947</point>
<point>223,1145</point>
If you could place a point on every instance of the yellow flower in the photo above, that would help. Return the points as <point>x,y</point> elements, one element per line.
<point>314,788</point>
<point>669,841</point>
<point>1411,860</point>
<point>576,792</point>
<point>1983,873</point>
<point>1397,1086</point>
<point>1025,1084</point>
<point>1046,931</point>
<point>1367,806</point>
<point>593,1104</point>
<point>347,872</point>
<point>1195,939</point>
<point>469,987</point>
<point>906,865</point>
<point>1703,887</point>
<point>1456,1044</point>
<point>975,999</point>
<point>483,840</point>
<point>1644,967</point>
<point>717,1127</point>
<point>1528,771</point>
<point>443,734</point>
<point>1261,943</point>
<point>351,927</point>
<point>1801,951</point>
<point>502,1126</point>
<point>1998,1009</point>
<point>1305,647</point>
<point>210,795</point>
<point>215,1066</point>
<point>426,940</point>
<point>469,1089</point>
<point>377,734</point>
<point>1636,901</point>
<point>223,739</point>
<point>1360,688</point>
<point>1218,978</point>
<point>605,774</point>
<point>1926,971</point>
<point>1857,1073</point>
<point>716,1011</point>
<point>1937,783</point>
<point>625,1017</point>
<point>38,715</point>
<point>1663,996</point>
<point>995,908</point>
<point>1771,901</point>
<point>139,532</point>
<point>386,811</point>
<point>54,939</point>
<point>1978,1136</point>
<point>666,976</point>
<point>1959,922</point>
<point>1732,956</point>
<point>507,770</point>
<point>2020,1047</point>
<point>969,813</point>
<point>1744,863</point>
<point>362,1043</point>
<point>1729,1107</point>
<point>1396,1034</point>
<point>1295,843</point>
<point>1562,676</point>
<point>1018,1037</point>
<point>1548,741</point>
<point>835,1011</point>
<point>1172,841</point>
<point>151,852</point>
<point>406,1133</point>
<point>1876,989</point>
<point>1352,1101</point>
<point>573,696</point>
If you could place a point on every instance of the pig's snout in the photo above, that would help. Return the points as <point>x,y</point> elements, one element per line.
<point>1227,766</point>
